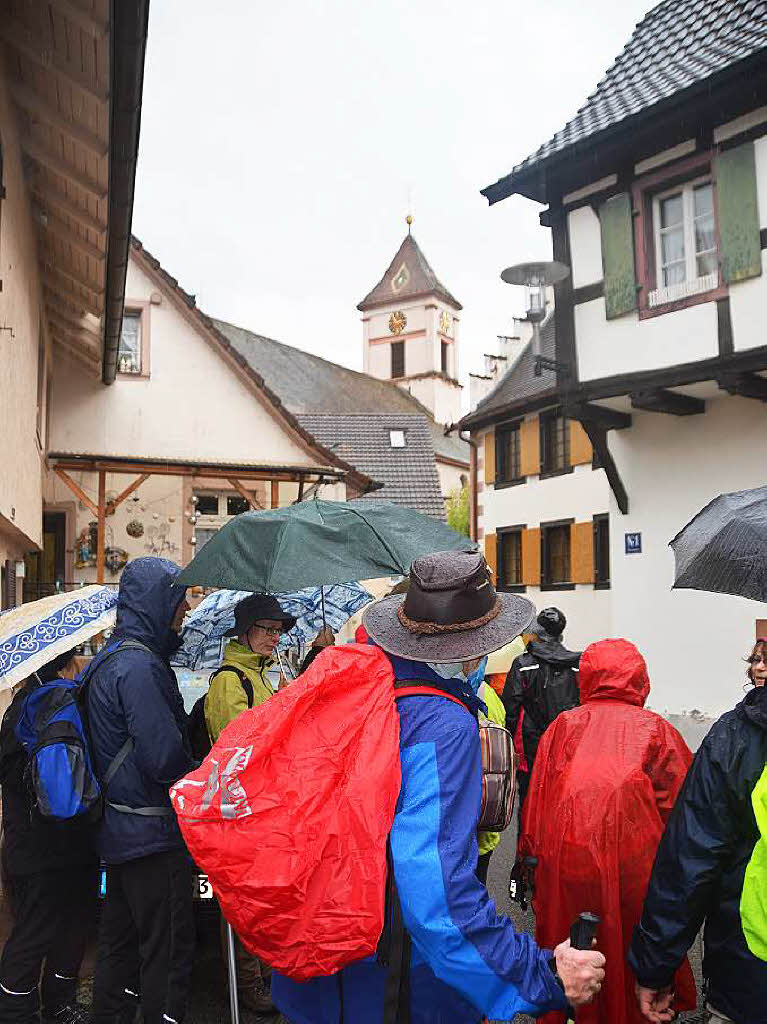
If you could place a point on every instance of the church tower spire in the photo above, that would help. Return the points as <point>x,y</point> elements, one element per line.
<point>410,331</point>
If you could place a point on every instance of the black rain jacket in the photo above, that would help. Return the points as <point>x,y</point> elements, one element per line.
<point>135,694</point>
<point>544,682</point>
<point>700,866</point>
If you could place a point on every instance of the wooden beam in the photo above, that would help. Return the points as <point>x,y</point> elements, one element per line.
<point>76,489</point>
<point>112,505</point>
<point>598,437</point>
<point>275,497</point>
<point>747,385</point>
<point>301,482</point>
<point>44,156</point>
<point>77,354</point>
<point>72,321</point>
<point>47,196</point>
<point>66,303</point>
<point>101,535</point>
<point>670,402</point>
<point>91,343</point>
<point>87,22</point>
<point>600,416</point>
<point>21,39</point>
<point>51,272</point>
<point>35,104</point>
<point>180,469</point>
<point>62,231</point>
<point>251,499</point>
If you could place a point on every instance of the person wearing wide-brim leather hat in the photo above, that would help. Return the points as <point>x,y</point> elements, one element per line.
<point>470,962</point>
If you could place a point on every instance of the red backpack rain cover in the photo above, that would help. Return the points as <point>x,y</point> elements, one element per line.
<point>290,812</point>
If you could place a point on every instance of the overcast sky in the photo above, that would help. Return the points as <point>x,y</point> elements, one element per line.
<point>282,143</point>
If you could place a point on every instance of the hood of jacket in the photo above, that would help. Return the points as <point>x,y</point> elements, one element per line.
<point>755,707</point>
<point>147,600</point>
<point>613,670</point>
<point>553,651</point>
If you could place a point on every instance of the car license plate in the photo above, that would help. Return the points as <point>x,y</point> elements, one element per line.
<point>203,890</point>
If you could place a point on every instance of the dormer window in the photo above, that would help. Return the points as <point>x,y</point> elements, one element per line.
<point>685,242</point>
<point>397,438</point>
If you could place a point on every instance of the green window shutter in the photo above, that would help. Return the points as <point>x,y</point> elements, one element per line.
<point>738,214</point>
<point>615,218</point>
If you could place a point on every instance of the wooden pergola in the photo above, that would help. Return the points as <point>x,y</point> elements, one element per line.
<point>236,475</point>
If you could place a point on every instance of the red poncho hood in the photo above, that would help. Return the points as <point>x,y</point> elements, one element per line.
<point>613,670</point>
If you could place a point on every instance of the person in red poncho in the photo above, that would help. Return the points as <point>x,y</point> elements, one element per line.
<point>604,782</point>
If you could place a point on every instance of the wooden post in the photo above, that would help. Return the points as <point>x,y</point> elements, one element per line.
<point>101,526</point>
<point>275,493</point>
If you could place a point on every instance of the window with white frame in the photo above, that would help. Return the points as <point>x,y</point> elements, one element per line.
<point>129,348</point>
<point>686,255</point>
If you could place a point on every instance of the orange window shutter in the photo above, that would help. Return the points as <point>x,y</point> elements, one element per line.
<point>491,554</point>
<point>582,552</point>
<point>530,447</point>
<point>531,556</point>
<point>490,456</point>
<point>580,446</point>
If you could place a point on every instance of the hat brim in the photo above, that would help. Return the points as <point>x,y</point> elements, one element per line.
<point>288,621</point>
<point>385,629</point>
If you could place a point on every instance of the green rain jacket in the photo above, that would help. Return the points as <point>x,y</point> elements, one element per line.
<point>226,698</point>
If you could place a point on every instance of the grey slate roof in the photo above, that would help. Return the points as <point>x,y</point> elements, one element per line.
<point>306,383</point>
<point>420,279</point>
<point>519,384</point>
<point>409,474</point>
<point>677,45</point>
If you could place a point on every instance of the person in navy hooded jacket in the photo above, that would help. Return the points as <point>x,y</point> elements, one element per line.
<point>456,960</point>
<point>146,940</point>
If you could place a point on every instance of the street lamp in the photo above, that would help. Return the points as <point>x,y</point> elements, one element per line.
<point>535,278</point>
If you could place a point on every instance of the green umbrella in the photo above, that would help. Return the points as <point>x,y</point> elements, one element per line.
<point>317,542</point>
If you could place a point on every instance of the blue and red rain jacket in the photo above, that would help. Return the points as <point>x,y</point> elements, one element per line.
<point>467,962</point>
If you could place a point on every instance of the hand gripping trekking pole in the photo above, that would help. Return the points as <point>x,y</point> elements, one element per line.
<point>582,934</point>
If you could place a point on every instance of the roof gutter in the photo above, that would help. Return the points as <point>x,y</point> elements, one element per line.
<point>128,35</point>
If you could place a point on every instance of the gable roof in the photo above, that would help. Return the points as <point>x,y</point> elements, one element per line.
<point>677,46</point>
<point>519,385</point>
<point>418,279</point>
<point>305,383</point>
<point>409,474</point>
<point>150,263</point>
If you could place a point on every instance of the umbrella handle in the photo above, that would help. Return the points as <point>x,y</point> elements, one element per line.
<point>322,599</point>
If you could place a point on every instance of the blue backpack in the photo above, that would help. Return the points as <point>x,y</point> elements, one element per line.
<point>53,729</point>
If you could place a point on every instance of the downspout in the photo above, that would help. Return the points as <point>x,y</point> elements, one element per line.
<point>473,500</point>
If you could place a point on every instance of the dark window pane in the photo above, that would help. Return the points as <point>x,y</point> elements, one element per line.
<point>444,358</point>
<point>554,450</point>
<point>602,550</point>
<point>398,359</point>
<point>511,559</point>
<point>129,346</point>
<point>507,454</point>
<point>235,504</point>
<point>207,504</point>
<point>556,554</point>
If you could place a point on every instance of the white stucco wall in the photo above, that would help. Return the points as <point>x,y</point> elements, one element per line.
<point>628,345</point>
<point>450,478</point>
<point>193,406</point>
<point>671,467</point>
<point>20,306</point>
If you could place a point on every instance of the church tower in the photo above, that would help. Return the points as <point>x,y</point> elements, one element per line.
<point>410,332</point>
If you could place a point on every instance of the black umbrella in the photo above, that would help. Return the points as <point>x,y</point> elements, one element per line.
<point>724,548</point>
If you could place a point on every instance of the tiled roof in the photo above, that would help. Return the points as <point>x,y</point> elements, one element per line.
<point>409,274</point>
<point>519,383</point>
<point>409,474</point>
<point>679,44</point>
<point>306,383</point>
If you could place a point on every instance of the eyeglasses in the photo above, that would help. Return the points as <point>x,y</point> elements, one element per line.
<point>269,630</point>
<point>757,658</point>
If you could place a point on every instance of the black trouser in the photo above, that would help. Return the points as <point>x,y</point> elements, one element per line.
<point>483,863</point>
<point>54,912</point>
<point>146,940</point>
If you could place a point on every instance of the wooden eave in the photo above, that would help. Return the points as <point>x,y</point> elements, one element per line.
<point>75,76</point>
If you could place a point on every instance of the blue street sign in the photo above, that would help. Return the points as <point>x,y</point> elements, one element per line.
<point>633,543</point>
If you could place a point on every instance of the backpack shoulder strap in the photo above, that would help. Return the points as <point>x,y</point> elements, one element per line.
<point>106,654</point>
<point>244,681</point>
<point>408,689</point>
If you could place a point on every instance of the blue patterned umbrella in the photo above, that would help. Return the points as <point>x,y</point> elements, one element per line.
<point>34,634</point>
<point>203,636</point>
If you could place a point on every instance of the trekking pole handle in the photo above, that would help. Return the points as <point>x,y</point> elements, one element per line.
<point>584,930</point>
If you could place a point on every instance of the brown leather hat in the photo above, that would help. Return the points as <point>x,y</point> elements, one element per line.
<point>450,613</point>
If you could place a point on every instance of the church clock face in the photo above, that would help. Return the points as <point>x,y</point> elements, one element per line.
<point>444,322</point>
<point>397,322</point>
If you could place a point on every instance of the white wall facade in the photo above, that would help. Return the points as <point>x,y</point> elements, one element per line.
<point>694,642</point>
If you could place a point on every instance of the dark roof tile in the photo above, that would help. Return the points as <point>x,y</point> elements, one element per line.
<point>417,279</point>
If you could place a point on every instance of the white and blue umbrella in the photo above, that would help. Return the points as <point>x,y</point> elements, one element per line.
<point>35,633</point>
<point>204,633</point>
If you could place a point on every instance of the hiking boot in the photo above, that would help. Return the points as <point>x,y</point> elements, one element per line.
<point>256,999</point>
<point>72,1014</point>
